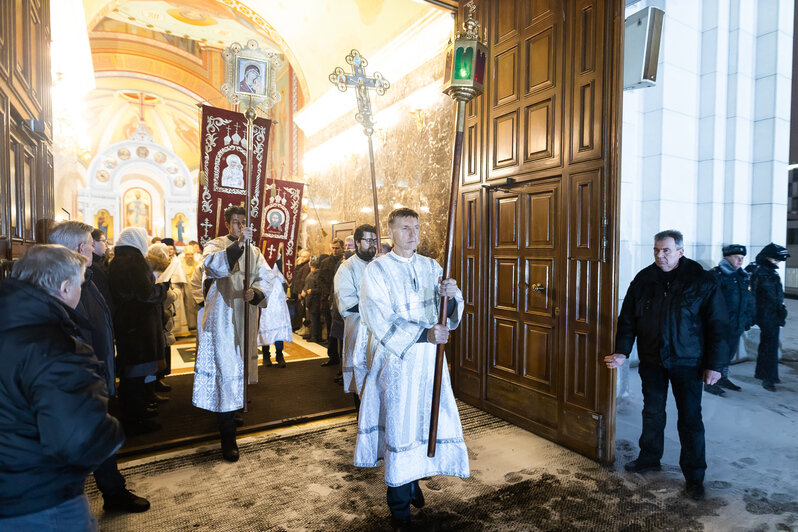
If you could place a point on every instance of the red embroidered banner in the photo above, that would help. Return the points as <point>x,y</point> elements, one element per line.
<point>282,208</point>
<point>223,152</point>
<point>275,206</point>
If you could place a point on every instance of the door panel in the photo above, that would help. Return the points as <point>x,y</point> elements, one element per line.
<point>537,275</point>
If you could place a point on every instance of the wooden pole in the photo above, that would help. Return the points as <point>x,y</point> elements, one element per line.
<point>250,116</point>
<point>374,193</point>
<point>447,272</point>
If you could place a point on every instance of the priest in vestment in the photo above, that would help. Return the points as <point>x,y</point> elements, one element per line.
<point>399,300</point>
<point>346,288</point>
<point>219,366</point>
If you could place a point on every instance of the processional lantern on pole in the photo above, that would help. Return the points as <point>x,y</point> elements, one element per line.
<point>250,80</point>
<point>462,80</point>
<point>362,85</point>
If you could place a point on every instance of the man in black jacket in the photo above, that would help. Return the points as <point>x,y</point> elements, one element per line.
<point>93,318</point>
<point>56,427</point>
<point>676,312</point>
<point>771,314</point>
<point>734,285</point>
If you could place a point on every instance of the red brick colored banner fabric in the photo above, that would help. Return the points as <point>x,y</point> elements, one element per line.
<point>223,152</point>
<point>279,226</point>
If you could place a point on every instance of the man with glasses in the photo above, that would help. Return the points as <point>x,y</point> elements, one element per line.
<point>675,310</point>
<point>93,317</point>
<point>356,351</point>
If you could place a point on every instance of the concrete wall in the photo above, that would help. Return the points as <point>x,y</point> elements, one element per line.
<point>705,151</point>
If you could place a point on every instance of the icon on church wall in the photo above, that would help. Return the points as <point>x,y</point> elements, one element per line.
<point>110,163</point>
<point>142,152</point>
<point>105,223</point>
<point>103,176</point>
<point>159,157</point>
<point>233,174</point>
<point>138,209</point>
<point>123,154</point>
<point>179,226</point>
<point>251,76</point>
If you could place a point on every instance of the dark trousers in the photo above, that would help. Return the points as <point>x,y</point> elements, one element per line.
<point>399,499</point>
<point>109,480</point>
<point>227,422</point>
<point>278,350</point>
<point>134,395</point>
<point>767,356</point>
<point>687,390</point>
<point>327,315</point>
<point>315,326</point>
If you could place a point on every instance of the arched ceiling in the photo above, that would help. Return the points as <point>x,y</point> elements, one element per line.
<point>315,35</point>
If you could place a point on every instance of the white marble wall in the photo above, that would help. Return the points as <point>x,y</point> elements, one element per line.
<point>705,150</point>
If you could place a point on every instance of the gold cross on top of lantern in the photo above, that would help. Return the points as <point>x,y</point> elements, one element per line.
<point>466,57</point>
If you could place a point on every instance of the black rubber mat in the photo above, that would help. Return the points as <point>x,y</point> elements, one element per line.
<point>283,396</point>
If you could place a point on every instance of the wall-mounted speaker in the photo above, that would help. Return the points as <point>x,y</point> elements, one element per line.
<point>642,36</point>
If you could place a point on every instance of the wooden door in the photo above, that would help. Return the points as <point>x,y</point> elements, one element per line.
<point>537,225</point>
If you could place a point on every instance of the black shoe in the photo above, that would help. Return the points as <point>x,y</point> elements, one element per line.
<point>417,499</point>
<point>280,360</point>
<point>151,411</point>
<point>694,490</point>
<point>768,385</point>
<point>714,389</point>
<point>160,386</point>
<point>229,447</point>
<point>126,502</point>
<point>636,466</point>
<point>160,399</point>
<point>332,361</point>
<point>401,525</point>
<point>726,383</point>
<point>267,361</point>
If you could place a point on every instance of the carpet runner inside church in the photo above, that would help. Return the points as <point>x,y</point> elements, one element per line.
<point>302,391</point>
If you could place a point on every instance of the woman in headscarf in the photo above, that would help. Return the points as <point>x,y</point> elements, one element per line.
<point>138,328</point>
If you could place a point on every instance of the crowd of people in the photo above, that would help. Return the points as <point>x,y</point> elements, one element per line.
<point>84,323</point>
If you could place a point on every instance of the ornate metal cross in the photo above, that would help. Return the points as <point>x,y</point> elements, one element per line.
<point>362,84</point>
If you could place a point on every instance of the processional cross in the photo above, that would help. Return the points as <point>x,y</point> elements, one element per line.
<point>362,84</point>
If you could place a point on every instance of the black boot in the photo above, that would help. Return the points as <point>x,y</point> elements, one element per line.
<point>162,387</point>
<point>125,501</point>
<point>227,430</point>
<point>280,359</point>
<point>333,361</point>
<point>267,357</point>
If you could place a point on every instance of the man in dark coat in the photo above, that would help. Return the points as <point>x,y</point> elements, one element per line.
<point>301,272</point>
<point>138,328</point>
<point>99,264</point>
<point>676,312</point>
<point>734,285</point>
<point>56,427</point>
<point>93,318</point>
<point>335,324</point>
<point>771,314</point>
<point>311,297</point>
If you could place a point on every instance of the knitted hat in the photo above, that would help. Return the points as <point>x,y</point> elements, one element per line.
<point>168,241</point>
<point>135,237</point>
<point>734,249</point>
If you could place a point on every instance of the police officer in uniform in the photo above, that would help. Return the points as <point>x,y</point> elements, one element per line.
<point>771,314</point>
<point>734,285</point>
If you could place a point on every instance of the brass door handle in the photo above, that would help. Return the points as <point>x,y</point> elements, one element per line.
<point>539,287</point>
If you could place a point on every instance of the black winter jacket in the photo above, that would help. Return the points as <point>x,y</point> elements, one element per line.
<point>54,422</point>
<point>734,285</point>
<point>138,309</point>
<point>768,293</point>
<point>96,326</point>
<point>678,324</point>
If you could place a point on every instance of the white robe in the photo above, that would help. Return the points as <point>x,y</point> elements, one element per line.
<point>219,366</point>
<point>358,348</point>
<point>398,301</point>
<point>174,273</point>
<point>275,320</point>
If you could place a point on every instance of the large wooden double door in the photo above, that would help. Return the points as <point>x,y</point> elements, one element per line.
<point>537,250</point>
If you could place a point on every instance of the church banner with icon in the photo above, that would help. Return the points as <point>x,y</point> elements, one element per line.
<point>279,226</point>
<point>223,153</point>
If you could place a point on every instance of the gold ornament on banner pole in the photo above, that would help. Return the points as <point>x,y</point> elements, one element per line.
<point>250,79</point>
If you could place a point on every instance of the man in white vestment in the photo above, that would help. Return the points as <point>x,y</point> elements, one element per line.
<point>275,322</point>
<point>219,366</point>
<point>346,288</point>
<point>399,299</point>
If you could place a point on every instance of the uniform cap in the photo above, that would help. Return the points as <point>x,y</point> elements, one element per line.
<point>734,249</point>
